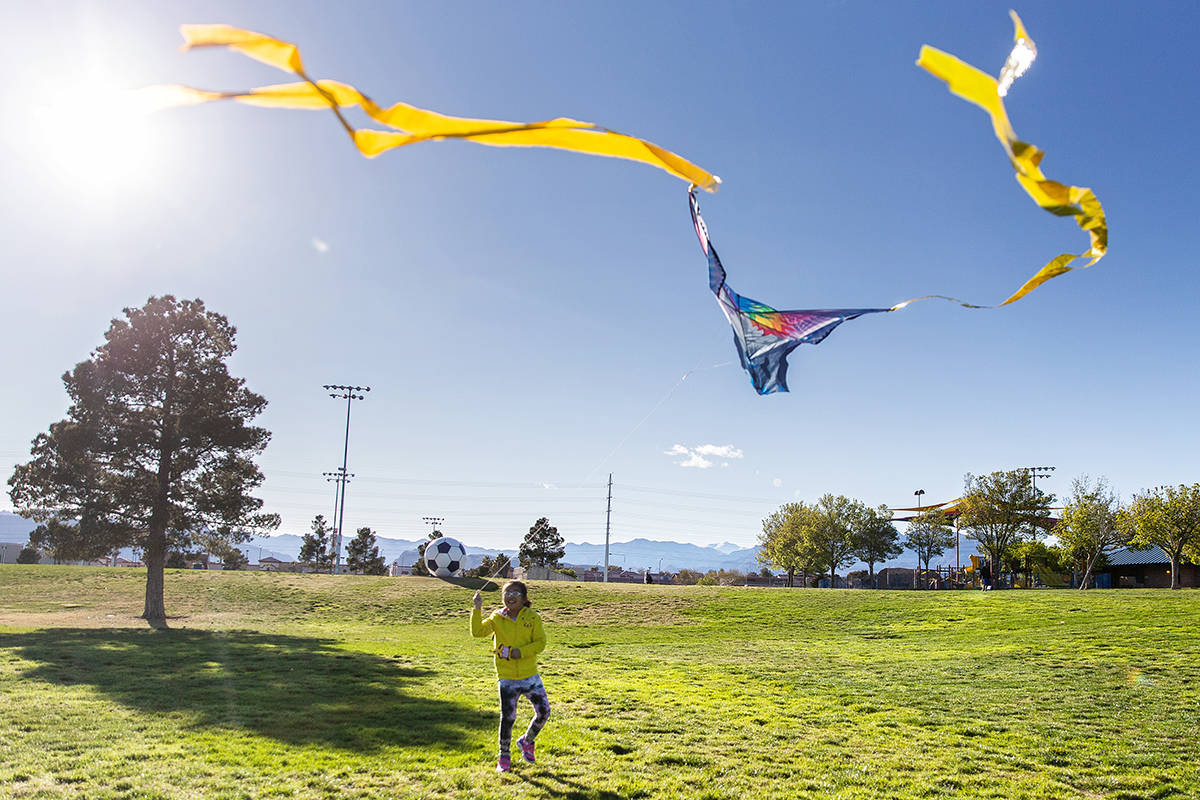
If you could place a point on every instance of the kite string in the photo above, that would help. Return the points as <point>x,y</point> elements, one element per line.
<point>650,413</point>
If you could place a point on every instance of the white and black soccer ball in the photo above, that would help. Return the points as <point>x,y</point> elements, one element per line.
<point>445,557</point>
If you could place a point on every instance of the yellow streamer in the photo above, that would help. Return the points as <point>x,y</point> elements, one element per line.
<point>986,92</point>
<point>410,124</point>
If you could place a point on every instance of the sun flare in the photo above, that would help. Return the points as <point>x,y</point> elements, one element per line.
<point>95,138</point>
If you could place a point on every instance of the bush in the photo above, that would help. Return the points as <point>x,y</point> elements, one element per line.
<point>29,555</point>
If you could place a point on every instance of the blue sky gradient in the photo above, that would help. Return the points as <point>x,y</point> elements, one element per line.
<point>524,316</point>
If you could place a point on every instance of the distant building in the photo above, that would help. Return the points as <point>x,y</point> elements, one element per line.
<point>1144,569</point>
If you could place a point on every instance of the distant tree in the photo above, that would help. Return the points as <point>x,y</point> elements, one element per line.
<point>420,568</point>
<point>498,567</point>
<point>688,577</point>
<point>29,555</point>
<point>781,544</point>
<point>1167,516</point>
<point>828,532</point>
<point>483,570</point>
<point>1088,529</point>
<point>217,543</point>
<point>570,572</point>
<point>156,445</point>
<point>929,534</point>
<point>1001,509</point>
<point>731,577</point>
<point>235,560</point>
<point>542,546</point>
<point>1034,557</point>
<point>362,554</point>
<point>176,560</point>
<point>501,566</point>
<point>875,539</point>
<point>316,546</point>
<point>765,572</point>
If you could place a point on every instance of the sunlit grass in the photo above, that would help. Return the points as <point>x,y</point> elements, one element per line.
<point>314,686</point>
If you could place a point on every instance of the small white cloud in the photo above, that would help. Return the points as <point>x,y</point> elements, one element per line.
<point>719,450</point>
<point>320,245</point>
<point>697,456</point>
<point>549,486</point>
<point>777,482</point>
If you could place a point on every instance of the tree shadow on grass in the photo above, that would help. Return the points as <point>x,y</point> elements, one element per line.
<point>293,689</point>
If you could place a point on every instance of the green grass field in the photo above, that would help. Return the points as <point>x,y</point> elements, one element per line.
<point>314,686</point>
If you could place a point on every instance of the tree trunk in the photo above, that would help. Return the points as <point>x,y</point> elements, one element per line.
<point>1087,571</point>
<point>155,611</point>
<point>871,571</point>
<point>1174,570</point>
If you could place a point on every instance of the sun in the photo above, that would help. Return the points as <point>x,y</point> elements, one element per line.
<point>94,138</point>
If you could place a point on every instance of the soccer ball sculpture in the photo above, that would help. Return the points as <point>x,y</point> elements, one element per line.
<point>444,557</point>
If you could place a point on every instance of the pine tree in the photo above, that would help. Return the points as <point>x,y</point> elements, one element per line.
<point>316,547</point>
<point>542,546</point>
<point>156,445</point>
<point>362,554</point>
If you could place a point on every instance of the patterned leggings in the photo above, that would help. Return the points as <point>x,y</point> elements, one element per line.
<point>510,692</point>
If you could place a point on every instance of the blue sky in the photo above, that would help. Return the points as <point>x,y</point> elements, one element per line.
<point>524,317</point>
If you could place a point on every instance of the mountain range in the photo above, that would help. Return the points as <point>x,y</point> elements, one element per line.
<point>635,554</point>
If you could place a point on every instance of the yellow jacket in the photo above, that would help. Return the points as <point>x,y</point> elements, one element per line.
<point>525,633</point>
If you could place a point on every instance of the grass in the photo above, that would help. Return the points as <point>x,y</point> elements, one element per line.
<point>314,686</point>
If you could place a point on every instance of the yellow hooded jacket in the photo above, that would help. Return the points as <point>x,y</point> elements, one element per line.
<point>525,633</point>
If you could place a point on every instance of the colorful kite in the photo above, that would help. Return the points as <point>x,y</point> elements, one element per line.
<point>764,337</point>
<point>411,124</point>
<point>986,92</point>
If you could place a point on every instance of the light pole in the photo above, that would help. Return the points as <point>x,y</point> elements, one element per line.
<point>917,571</point>
<point>1038,472</point>
<point>607,525</point>
<point>349,394</point>
<point>339,479</point>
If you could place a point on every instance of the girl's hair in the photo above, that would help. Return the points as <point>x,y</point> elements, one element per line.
<point>520,587</point>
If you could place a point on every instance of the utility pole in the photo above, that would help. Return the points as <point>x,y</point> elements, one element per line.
<point>916,571</point>
<point>339,478</point>
<point>349,394</point>
<point>607,522</point>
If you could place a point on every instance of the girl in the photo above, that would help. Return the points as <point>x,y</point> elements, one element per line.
<point>517,638</point>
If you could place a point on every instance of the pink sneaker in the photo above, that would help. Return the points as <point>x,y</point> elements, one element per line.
<point>526,749</point>
<point>504,764</point>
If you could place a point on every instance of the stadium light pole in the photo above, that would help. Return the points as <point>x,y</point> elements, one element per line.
<point>1038,472</point>
<point>349,394</point>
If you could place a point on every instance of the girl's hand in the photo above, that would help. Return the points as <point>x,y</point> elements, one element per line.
<point>478,601</point>
<point>514,653</point>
